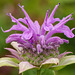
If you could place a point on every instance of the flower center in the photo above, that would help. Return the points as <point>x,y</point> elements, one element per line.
<point>38,54</point>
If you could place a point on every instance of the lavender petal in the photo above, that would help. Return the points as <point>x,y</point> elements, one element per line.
<point>27,34</point>
<point>51,19</point>
<point>55,39</point>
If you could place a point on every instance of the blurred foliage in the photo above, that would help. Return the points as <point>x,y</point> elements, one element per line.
<point>37,10</point>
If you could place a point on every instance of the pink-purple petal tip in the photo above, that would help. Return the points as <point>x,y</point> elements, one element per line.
<point>58,3</point>
<point>20,5</point>
<point>3,30</point>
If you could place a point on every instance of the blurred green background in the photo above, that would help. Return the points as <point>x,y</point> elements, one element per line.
<point>37,11</point>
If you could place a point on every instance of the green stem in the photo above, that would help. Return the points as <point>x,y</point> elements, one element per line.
<point>22,73</point>
<point>38,72</point>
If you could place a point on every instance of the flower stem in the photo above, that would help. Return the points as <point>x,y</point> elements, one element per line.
<point>38,72</point>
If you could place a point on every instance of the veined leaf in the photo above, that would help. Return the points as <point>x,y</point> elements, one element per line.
<point>6,61</point>
<point>24,66</point>
<point>67,60</point>
<point>50,62</point>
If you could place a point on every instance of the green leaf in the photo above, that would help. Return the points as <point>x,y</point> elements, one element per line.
<point>41,72</point>
<point>47,72</point>
<point>30,72</point>
<point>67,60</point>
<point>50,62</point>
<point>6,61</point>
<point>24,66</point>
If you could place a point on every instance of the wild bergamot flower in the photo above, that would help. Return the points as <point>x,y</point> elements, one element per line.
<point>36,46</point>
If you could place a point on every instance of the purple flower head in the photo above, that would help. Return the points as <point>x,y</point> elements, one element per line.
<point>34,44</point>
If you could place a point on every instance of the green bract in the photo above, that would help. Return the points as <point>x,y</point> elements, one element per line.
<point>52,63</point>
<point>64,61</point>
<point>6,61</point>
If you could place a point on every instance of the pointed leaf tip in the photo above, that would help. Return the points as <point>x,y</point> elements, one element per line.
<point>52,61</point>
<point>66,60</point>
<point>24,66</point>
